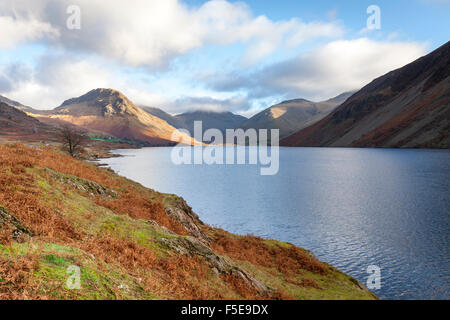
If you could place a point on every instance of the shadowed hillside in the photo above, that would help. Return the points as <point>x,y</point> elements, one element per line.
<point>406,108</point>
<point>17,125</point>
<point>292,115</point>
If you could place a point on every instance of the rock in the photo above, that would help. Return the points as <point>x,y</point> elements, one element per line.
<point>182,212</point>
<point>194,247</point>
<point>91,187</point>
<point>197,244</point>
<point>163,228</point>
<point>19,230</point>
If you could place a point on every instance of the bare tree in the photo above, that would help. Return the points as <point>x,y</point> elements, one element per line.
<point>72,140</point>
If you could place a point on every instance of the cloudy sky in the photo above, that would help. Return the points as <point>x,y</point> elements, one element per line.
<point>179,55</point>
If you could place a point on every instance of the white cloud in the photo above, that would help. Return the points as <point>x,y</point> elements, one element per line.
<point>153,32</point>
<point>54,80</point>
<point>16,30</point>
<point>205,103</point>
<point>59,77</point>
<point>334,68</point>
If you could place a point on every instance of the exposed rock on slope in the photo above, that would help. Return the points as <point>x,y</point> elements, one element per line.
<point>406,108</point>
<point>193,247</point>
<point>293,115</point>
<point>183,213</point>
<point>18,230</point>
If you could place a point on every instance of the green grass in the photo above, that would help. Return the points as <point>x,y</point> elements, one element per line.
<point>99,280</point>
<point>333,286</point>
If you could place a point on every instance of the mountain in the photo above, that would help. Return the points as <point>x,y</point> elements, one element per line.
<point>408,107</point>
<point>10,102</point>
<point>17,125</point>
<point>292,115</point>
<point>210,119</point>
<point>110,112</point>
<point>170,119</point>
<point>16,104</point>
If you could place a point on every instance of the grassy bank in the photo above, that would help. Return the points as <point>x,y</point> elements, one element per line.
<point>131,242</point>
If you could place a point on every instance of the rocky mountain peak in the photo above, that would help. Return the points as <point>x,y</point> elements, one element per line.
<point>100,102</point>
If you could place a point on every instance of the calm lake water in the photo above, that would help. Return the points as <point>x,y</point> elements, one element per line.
<point>351,207</point>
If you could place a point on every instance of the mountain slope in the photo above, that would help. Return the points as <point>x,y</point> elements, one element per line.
<point>293,115</point>
<point>408,107</point>
<point>16,104</point>
<point>210,119</point>
<point>170,119</point>
<point>17,125</point>
<point>109,111</point>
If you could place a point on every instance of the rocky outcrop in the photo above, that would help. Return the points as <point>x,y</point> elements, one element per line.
<point>197,244</point>
<point>91,187</point>
<point>193,247</point>
<point>182,212</point>
<point>19,231</point>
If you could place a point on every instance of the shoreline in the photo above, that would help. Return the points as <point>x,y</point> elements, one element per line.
<point>104,208</point>
<point>359,283</point>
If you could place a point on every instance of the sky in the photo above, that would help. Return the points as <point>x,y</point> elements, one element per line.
<point>184,55</point>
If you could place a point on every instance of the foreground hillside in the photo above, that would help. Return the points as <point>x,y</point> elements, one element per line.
<point>134,243</point>
<point>406,108</point>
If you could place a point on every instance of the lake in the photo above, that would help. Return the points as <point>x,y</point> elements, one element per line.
<point>351,207</point>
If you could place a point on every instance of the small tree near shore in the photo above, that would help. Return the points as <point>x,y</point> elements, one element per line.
<point>72,140</point>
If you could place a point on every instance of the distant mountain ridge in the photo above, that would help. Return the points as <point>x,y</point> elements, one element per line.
<point>170,119</point>
<point>210,119</point>
<point>408,108</point>
<point>109,112</point>
<point>15,104</point>
<point>17,125</point>
<point>10,102</point>
<point>292,115</point>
